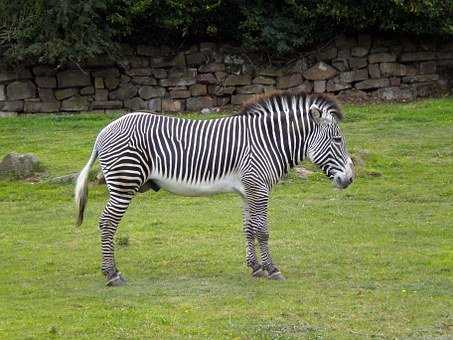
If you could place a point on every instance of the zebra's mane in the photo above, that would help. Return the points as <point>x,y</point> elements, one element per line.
<point>321,100</point>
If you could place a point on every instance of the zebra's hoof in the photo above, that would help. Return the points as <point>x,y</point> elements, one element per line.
<point>116,281</point>
<point>276,276</point>
<point>259,273</point>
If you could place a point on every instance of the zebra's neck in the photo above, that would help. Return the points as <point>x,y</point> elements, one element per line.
<point>280,129</point>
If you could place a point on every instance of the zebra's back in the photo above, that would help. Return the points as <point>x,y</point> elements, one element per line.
<point>189,157</point>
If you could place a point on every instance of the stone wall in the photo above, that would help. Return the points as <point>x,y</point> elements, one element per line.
<point>208,75</point>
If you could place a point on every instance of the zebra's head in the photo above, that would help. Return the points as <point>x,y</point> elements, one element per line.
<point>327,147</point>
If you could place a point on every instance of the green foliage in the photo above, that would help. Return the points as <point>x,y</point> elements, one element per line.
<point>60,31</point>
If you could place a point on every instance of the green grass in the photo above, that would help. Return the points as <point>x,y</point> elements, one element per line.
<point>375,260</point>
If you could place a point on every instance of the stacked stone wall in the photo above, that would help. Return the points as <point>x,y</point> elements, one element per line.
<point>209,75</point>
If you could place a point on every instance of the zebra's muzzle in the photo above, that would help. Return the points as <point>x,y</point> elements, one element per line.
<point>343,179</point>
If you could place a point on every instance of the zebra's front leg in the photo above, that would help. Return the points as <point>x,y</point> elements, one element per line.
<point>110,218</point>
<point>258,214</point>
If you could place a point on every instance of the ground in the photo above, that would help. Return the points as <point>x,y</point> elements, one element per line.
<point>374,260</point>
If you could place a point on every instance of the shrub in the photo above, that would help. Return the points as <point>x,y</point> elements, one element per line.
<point>62,31</point>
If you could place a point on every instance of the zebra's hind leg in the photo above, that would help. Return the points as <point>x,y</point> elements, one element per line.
<point>110,218</point>
<point>250,258</point>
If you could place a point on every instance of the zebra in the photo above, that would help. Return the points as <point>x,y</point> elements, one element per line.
<point>246,153</point>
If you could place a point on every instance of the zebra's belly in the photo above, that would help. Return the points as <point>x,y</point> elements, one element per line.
<point>225,184</point>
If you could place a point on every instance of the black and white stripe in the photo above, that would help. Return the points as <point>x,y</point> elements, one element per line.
<point>247,153</point>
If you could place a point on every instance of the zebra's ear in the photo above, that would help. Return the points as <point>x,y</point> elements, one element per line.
<point>316,114</point>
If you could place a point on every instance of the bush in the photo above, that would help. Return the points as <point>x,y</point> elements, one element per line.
<point>62,31</point>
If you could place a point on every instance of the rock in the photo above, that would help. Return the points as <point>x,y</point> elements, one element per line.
<point>46,95</point>
<point>7,75</point>
<point>101,95</point>
<point>106,104</point>
<point>328,54</point>
<point>76,103</point>
<point>65,93</point>
<point>269,72</point>
<point>66,179</point>
<point>305,87</point>
<point>357,63</point>
<point>359,51</point>
<point>180,60</point>
<point>421,78</point>
<point>206,78</point>
<point>111,72</point>
<point>19,165</point>
<point>195,59</point>
<point>155,104</point>
<point>352,76</point>
<point>320,71</point>
<point>41,106</point>
<point>428,67</point>
<point>198,103</point>
<point>211,68</point>
<point>173,105</point>
<point>180,77</point>
<point>100,179</point>
<point>235,80</point>
<point>137,72</point>
<point>179,94</point>
<point>222,101</point>
<point>206,111</point>
<point>159,62</point>
<point>20,90</point>
<point>136,104</point>
<point>353,96</point>
<point>73,78</point>
<point>417,56</point>
<point>335,84</point>
<point>138,62</point>
<point>111,83</point>
<point>239,99</point>
<point>395,93</point>
<point>286,82</point>
<point>392,69</point>
<point>319,86</point>
<point>394,81</point>
<point>262,80</point>
<point>159,73</point>
<point>250,89</point>
<point>340,64</point>
<point>381,58</point>
<point>87,90</point>
<point>144,81</point>
<point>147,92</point>
<point>46,82</point>
<point>374,71</point>
<point>372,84</point>
<point>2,93</point>
<point>344,53</point>
<point>12,106</point>
<point>219,90</point>
<point>302,172</point>
<point>7,114</point>
<point>198,90</point>
<point>125,91</point>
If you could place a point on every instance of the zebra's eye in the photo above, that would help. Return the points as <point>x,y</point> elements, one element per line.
<point>337,139</point>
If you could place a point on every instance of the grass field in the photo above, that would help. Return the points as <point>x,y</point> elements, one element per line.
<point>372,261</point>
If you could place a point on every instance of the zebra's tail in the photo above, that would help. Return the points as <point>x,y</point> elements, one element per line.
<point>81,188</point>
